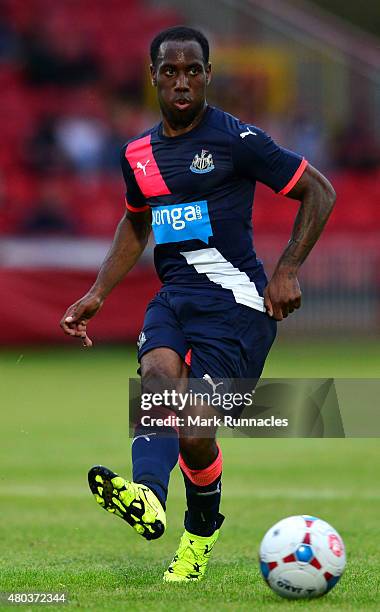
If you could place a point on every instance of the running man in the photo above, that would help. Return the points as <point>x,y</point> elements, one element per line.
<point>191,179</point>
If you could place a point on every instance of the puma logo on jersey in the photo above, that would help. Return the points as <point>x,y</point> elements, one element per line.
<point>247,133</point>
<point>142,167</point>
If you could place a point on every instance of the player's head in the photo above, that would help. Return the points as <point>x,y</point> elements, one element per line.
<point>181,71</point>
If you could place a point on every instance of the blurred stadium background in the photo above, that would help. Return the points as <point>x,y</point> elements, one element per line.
<point>75,87</point>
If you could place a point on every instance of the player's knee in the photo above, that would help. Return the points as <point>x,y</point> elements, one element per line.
<point>154,372</point>
<point>162,369</point>
<point>198,452</point>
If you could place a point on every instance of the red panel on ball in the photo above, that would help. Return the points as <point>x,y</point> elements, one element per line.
<point>315,563</point>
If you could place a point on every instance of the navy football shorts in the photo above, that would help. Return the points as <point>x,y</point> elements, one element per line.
<point>224,339</point>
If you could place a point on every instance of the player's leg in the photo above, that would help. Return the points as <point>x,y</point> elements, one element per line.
<point>155,452</point>
<point>215,355</point>
<point>141,502</point>
<point>224,339</point>
<point>201,465</point>
<point>200,461</point>
<point>155,447</point>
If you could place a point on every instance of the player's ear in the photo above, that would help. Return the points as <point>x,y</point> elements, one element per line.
<point>208,73</point>
<point>153,75</point>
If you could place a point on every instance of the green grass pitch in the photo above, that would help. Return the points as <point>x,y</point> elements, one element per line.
<point>63,411</point>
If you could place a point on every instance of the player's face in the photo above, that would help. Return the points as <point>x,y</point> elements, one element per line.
<point>181,78</point>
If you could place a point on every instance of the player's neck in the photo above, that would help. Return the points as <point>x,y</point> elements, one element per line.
<point>171,129</point>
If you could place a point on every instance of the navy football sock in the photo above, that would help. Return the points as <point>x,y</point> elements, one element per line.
<point>202,517</point>
<point>203,494</point>
<point>154,455</point>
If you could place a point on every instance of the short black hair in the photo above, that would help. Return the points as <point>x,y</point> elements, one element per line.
<point>180,33</point>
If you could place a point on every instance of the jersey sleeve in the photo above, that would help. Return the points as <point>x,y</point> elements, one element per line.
<point>259,158</point>
<point>134,199</point>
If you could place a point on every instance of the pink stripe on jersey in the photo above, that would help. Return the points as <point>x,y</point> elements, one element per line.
<point>295,178</point>
<point>139,154</point>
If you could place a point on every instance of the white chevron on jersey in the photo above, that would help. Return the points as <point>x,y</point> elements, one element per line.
<point>220,271</point>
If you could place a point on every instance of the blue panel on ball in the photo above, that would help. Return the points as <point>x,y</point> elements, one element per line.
<point>309,518</point>
<point>332,582</point>
<point>264,569</point>
<point>304,553</point>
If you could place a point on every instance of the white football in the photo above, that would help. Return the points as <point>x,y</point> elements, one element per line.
<point>302,557</point>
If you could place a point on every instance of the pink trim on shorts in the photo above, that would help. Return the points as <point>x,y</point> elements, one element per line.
<point>188,358</point>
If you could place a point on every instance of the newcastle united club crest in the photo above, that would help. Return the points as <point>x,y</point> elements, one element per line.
<point>202,163</point>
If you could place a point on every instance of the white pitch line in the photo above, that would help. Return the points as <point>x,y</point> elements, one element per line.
<point>308,494</point>
<point>39,491</point>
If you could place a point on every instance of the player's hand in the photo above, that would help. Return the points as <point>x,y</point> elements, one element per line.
<point>282,295</point>
<point>74,321</point>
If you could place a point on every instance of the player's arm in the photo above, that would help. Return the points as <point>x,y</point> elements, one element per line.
<point>317,197</point>
<point>129,242</point>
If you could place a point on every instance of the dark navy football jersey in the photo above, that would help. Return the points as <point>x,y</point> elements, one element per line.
<point>200,188</point>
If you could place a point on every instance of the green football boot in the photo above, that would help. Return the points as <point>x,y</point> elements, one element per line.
<point>133,502</point>
<point>190,561</point>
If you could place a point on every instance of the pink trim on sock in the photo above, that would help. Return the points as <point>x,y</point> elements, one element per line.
<point>204,477</point>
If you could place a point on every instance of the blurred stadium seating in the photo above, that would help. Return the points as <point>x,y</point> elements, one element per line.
<point>73,77</point>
